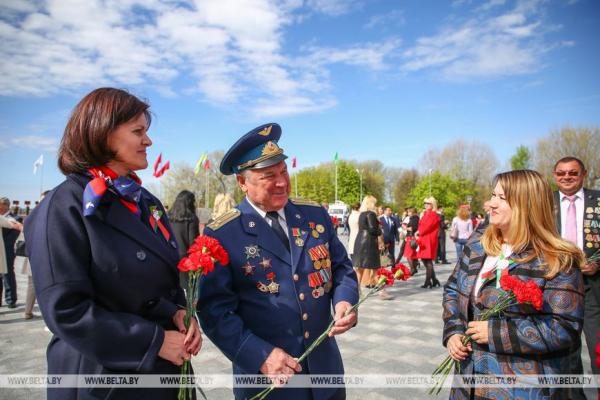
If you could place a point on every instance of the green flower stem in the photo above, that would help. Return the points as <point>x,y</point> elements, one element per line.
<point>380,284</point>
<point>506,300</point>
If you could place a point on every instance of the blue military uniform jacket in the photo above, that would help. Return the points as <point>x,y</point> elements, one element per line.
<point>246,316</point>
<point>107,286</point>
<point>521,341</point>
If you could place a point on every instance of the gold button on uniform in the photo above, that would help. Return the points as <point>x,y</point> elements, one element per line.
<point>296,277</point>
<point>306,335</point>
<point>305,316</point>
<point>301,296</point>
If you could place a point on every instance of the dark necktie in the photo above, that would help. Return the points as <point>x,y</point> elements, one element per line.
<point>274,217</point>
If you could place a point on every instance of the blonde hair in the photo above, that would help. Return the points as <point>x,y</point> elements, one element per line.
<point>462,213</point>
<point>431,200</point>
<point>369,203</point>
<point>223,203</point>
<point>532,224</point>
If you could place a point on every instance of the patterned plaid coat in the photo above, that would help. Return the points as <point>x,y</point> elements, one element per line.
<point>524,340</point>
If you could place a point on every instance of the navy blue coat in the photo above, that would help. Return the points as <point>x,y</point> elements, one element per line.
<point>247,323</point>
<point>107,286</point>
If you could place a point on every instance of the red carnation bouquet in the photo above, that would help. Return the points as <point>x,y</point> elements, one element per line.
<point>514,291</point>
<point>202,255</point>
<point>384,277</point>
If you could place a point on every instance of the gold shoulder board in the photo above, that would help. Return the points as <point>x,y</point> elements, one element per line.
<point>224,219</point>
<point>303,202</point>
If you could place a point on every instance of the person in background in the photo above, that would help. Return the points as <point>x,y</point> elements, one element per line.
<point>223,203</point>
<point>6,223</point>
<point>365,256</point>
<point>9,236</point>
<point>186,226</point>
<point>410,248</point>
<point>441,252</point>
<point>22,260</point>
<point>427,237</point>
<point>104,260</point>
<point>461,230</point>
<point>353,226</point>
<point>521,241</point>
<point>390,232</point>
<point>577,213</point>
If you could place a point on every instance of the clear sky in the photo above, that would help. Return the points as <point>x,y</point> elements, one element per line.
<point>370,79</point>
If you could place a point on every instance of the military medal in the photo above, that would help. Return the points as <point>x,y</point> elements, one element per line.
<point>252,251</point>
<point>262,287</point>
<point>273,286</point>
<point>297,233</point>
<point>265,263</point>
<point>313,232</point>
<point>315,280</point>
<point>320,228</point>
<point>248,269</point>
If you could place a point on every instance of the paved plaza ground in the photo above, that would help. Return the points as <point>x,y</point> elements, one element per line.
<point>400,336</point>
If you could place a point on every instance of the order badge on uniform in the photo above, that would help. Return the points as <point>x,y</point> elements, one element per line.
<point>297,233</point>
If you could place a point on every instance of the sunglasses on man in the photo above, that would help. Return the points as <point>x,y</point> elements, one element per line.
<point>570,173</point>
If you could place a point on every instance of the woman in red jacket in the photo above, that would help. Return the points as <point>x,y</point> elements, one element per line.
<point>427,236</point>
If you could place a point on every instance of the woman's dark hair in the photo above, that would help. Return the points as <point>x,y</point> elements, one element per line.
<point>184,207</point>
<point>85,141</point>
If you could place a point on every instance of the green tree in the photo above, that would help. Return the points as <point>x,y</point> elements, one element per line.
<point>583,143</point>
<point>402,186</point>
<point>521,159</point>
<point>448,192</point>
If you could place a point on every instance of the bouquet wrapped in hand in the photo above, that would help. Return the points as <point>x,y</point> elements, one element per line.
<point>514,291</point>
<point>384,277</point>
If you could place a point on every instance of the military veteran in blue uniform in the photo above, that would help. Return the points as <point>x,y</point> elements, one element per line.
<point>287,270</point>
<point>104,259</point>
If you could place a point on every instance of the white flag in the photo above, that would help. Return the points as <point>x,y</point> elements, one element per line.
<point>38,163</point>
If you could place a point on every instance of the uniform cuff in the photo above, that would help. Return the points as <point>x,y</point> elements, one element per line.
<point>252,354</point>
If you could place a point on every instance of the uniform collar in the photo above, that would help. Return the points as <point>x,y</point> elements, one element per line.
<point>579,194</point>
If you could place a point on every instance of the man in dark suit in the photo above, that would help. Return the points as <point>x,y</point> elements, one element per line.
<point>389,226</point>
<point>10,237</point>
<point>578,220</point>
<point>441,253</point>
<point>287,270</point>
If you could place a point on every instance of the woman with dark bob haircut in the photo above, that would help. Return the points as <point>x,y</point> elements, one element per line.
<point>185,224</point>
<point>104,258</point>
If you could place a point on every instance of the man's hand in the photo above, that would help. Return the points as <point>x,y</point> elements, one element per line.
<point>343,323</point>
<point>589,269</point>
<point>280,366</point>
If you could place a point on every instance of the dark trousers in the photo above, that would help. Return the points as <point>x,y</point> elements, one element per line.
<point>401,253</point>
<point>10,282</point>
<point>430,278</point>
<point>441,251</point>
<point>391,248</point>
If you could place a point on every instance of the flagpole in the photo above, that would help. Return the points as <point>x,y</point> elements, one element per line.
<point>206,191</point>
<point>296,183</point>
<point>336,181</point>
<point>41,179</point>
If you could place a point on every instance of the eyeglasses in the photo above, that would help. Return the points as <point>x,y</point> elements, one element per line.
<point>427,203</point>
<point>570,173</point>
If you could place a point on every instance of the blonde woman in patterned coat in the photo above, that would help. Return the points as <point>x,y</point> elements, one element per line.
<point>522,340</point>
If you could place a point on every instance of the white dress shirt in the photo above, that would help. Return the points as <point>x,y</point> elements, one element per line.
<point>281,218</point>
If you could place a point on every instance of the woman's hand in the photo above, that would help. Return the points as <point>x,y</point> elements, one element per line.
<point>456,349</point>
<point>478,331</point>
<point>193,337</point>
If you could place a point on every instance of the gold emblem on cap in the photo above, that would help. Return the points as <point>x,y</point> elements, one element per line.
<point>270,148</point>
<point>266,131</point>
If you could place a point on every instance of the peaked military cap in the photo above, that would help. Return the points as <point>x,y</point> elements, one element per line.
<point>256,149</point>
